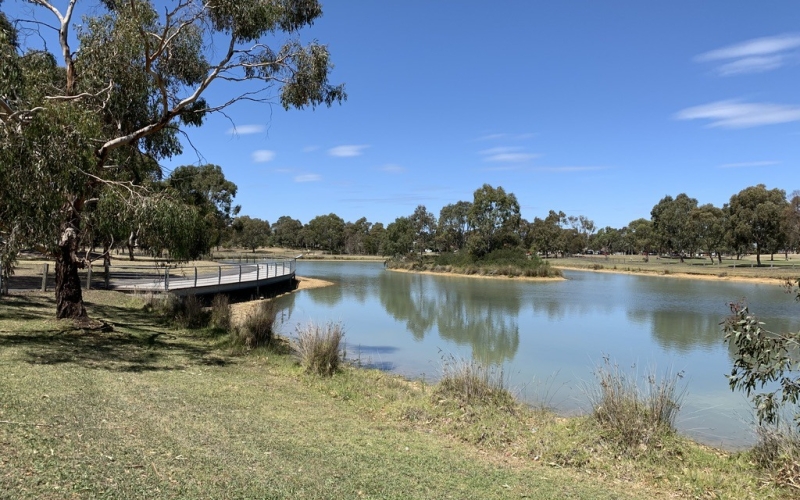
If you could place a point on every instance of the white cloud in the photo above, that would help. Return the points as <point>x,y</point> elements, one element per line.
<point>310,149</point>
<point>347,151</point>
<point>393,169</point>
<point>748,164</point>
<point>262,155</point>
<point>753,56</point>
<point>507,154</point>
<point>491,137</point>
<point>737,114</point>
<point>751,65</point>
<point>755,47</point>
<point>283,170</point>
<point>246,129</point>
<point>308,178</point>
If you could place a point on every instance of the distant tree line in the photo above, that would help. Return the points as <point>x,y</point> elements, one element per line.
<point>756,221</point>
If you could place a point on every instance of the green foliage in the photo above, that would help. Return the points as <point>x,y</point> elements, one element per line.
<point>250,232</point>
<point>755,217</point>
<point>672,224</point>
<point>325,232</point>
<point>763,358</point>
<point>494,217</point>
<point>318,348</point>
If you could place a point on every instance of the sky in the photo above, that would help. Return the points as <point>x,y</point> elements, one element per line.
<point>593,108</point>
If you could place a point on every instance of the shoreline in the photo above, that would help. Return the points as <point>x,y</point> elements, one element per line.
<point>499,276</point>
<point>240,309</point>
<point>679,275</point>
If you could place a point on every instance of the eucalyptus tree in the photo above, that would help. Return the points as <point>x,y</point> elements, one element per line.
<point>100,111</point>
<point>326,232</point>
<point>755,216</point>
<point>251,232</point>
<point>494,217</point>
<point>546,233</point>
<point>640,233</point>
<point>355,236</point>
<point>286,232</point>
<point>399,237</point>
<point>672,224</point>
<point>424,224</point>
<point>453,226</point>
<point>710,225</point>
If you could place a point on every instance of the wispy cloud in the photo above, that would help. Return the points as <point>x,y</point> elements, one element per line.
<point>262,155</point>
<point>513,154</point>
<point>310,149</point>
<point>753,56</point>
<point>570,169</point>
<point>246,129</point>
<point>347,151</point>
<point>737,114</point>
<point>393,169</point>
<point>491,137</point>
<point>514,137</point>
<point>750,164</point>
<point>308,178</point>
<point>283,170</point>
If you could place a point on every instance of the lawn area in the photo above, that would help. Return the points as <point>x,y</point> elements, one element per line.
<point>149,411</point>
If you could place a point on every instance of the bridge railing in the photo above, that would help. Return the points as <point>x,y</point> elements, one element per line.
<point>156,276</point>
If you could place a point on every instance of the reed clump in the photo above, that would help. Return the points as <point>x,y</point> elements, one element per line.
<point>319,348</point>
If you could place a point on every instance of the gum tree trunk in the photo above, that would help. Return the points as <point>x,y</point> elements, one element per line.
<point>69,299</point>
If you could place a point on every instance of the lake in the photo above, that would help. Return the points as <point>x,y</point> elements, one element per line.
<point>549,337</point>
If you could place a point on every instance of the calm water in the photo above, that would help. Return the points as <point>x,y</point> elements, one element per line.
<point>549,336</point>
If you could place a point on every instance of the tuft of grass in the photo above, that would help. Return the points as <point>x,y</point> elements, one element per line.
<point>319,348</point>
<point>257,328</point>
<point>777,451</point>
<point>187,312</point>
<point>221,312</point>
<point>473,383</point>
<point>635,416</point>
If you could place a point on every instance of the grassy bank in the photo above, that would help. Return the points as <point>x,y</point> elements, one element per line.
<point>512,263</point>
<point>745,268</point>
<point>148,410</point>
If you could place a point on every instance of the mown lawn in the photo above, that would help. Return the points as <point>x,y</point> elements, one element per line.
<point>148,411</point>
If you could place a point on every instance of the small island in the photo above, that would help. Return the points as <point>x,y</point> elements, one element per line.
<point>505,262</point>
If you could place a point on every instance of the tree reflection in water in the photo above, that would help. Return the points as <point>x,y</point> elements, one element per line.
<point>463,310</point>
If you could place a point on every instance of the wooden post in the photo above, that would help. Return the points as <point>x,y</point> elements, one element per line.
<point>89,277</point>
<point>44,277</point>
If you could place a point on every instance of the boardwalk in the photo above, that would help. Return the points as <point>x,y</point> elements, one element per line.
<point>209,280</point>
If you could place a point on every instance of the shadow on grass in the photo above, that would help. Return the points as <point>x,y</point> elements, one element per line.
<point>139,342</point>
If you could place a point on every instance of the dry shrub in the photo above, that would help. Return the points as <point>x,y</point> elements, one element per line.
<point>318,348</point>
<point>186,312</point>
<point>221,312</point>
<point>778,451</point>
<point>635,415</point>
<point>471,383</point>
<point>256,329</point>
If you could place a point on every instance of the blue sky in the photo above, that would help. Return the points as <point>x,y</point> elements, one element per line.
<point>594,108</point>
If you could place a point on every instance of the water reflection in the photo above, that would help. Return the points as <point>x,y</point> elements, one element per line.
<point>463,311</point>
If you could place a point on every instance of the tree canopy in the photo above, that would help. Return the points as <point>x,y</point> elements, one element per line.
<point>95,117</point>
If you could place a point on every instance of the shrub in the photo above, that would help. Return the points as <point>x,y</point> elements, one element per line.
<point>221,312</point>
<point>778,451</point>
<point>471,382</point>
<point>256,329</point>
<point>187,312</point>
<point>633,416</point>
<point>318,348</point>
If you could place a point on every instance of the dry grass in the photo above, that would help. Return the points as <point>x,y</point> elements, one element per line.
<point>257,328</point>
<point>778,453</point>
<point>473,383</point>
<point>221,312</point>
<point>319,348</point>
<point>634,414</point>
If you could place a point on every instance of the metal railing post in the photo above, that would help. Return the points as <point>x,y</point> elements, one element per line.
<point>195,276</point>
<point>240,273</point>
<point>219,275</point>
<point>166,279</point>
<point>258,268</point>
<point>44,277</point>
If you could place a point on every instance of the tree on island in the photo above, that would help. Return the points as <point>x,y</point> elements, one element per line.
<point>92,119</point>
<point>755,216</point>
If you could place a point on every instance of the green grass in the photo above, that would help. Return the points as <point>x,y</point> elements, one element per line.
<point>149,411</point>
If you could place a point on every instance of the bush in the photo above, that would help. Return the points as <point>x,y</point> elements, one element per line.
<point>318,348</point>
<point>634,416</point>
<point>256,329</point>
<point>186,312</point>
<point>221,312</point>
<point>471,382</point>
<point>778,451</point>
